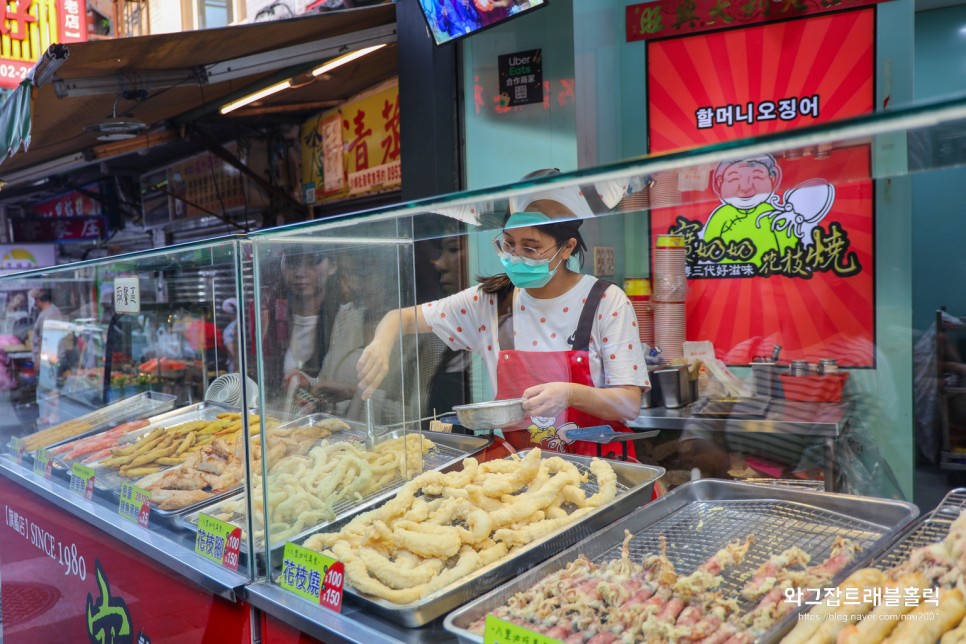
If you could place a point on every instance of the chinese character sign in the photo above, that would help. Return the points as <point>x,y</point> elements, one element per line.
<point>669,18</point>
<point>354,150</point>
<point>779,249</point>
<point>29,27</point>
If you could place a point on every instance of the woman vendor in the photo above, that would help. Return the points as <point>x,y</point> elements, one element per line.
<point>565,342</point>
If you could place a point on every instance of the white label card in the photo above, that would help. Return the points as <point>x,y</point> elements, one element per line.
<point>127,295</point>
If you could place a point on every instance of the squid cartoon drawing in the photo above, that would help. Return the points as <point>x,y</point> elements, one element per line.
<point>751,208</point>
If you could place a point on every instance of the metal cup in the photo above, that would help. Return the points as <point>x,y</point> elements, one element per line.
<point>675,386</point>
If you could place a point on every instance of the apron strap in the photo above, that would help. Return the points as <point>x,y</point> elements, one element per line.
<point>581,337</point>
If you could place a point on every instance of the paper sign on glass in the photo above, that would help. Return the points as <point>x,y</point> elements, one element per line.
<point>127,295</point>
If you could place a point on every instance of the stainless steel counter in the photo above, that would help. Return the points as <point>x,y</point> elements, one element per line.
<point>825,420</point>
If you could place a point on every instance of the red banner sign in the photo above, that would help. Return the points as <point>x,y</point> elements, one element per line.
<point>65,229</point>
<point>29,27</point>
<point>666,18</point>
<point>71,204</point>
<point>780,249</point>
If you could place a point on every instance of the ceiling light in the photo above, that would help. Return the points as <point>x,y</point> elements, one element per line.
<point>251,98</point>
<point>345,58</point>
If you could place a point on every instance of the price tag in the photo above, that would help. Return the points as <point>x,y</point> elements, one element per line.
<point>500,631</point>
<point>82,480</point>
<point>218,541</point>
<point>17,449</point>
<point>312,575</point>
<point>42,463</point>
<point>133,505</point>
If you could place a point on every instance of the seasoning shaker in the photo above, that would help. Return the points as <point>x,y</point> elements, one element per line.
<point>798,368</point>
<point>828,366</point>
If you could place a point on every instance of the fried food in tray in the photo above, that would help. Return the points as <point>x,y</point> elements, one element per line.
<point>98,446</point>
<point>441,527</point>
<point>917,598</point>
<point>304,489</point>
<point>103,418</point>
<point>648,600</point>
<point>205,459</point>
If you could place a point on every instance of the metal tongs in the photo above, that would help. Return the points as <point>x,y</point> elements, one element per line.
<point>370,426</point>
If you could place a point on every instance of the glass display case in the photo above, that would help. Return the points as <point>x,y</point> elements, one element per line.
<point>314,390</point>
<point>768,283</point>
<point>123,430</point>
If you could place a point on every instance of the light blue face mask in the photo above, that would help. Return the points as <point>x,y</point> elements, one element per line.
<point>531,273</point>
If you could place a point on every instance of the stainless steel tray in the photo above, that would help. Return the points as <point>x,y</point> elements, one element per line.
<point>450,450</point>
<point>122,411</point>
<point>931,528</point>
<point>701,517</point>
<point>928,530</point>
<point>110,480</point>
<point>634,485</point>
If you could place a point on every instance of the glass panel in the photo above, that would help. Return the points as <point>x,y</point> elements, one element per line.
<point>319,300</point>
<point>121,365</point>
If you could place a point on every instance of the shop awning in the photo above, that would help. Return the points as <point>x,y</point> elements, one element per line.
<point>160,79</point>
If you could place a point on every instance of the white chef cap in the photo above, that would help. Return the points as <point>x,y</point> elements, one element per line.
<point>583,201</point>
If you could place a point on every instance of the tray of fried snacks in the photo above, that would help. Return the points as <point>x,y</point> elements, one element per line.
<point>913,590</point>
<point>710,561</point>
<point>317,482</point>
<point>184,458</point>
<point>445,537</point>
<point>105,418</point>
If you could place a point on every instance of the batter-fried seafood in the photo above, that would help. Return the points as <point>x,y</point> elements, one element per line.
<point>217,466</point>
<point>622,600</point>
<point>455,523</point>
<point>918,600</point>
<point>626,601</point>
<point>304,489</point>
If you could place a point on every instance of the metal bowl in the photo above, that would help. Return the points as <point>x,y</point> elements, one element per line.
<point>495,414</point>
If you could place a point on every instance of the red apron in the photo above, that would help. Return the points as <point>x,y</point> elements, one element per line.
<point>517,371</point>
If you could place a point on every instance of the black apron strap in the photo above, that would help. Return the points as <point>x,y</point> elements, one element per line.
<point>581,337</point>
<point>504,318</point>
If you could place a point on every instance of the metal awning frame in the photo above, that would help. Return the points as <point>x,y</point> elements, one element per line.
<point>132,82</point>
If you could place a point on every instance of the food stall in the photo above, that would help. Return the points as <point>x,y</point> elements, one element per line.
<point>281,503</point>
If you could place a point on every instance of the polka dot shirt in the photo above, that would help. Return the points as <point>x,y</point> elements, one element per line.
<point>468,321</point>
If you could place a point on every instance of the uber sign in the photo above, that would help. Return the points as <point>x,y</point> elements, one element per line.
<point>521,78</point>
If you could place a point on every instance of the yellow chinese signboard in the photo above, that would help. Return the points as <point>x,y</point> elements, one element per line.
<point>353,150</point>
<point>29,27</point>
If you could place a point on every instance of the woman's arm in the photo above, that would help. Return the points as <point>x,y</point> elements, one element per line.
<point>607,403</point>
<point>373,365</point>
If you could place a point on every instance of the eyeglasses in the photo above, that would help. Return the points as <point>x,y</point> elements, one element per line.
<point>507,248</point>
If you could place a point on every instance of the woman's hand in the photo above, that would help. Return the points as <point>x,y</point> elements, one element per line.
<point>548,400</point>
<point>373,367</point>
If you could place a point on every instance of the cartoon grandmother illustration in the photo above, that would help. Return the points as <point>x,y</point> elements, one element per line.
<point>752,210</point>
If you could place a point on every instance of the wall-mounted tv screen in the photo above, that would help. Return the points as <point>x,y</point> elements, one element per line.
<point>452,19</point>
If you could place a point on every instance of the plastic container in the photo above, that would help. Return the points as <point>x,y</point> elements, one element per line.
<point>827,388</point>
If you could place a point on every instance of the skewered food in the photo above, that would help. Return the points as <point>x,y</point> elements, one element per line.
<point>918,600</point>
<point>623,600</point>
